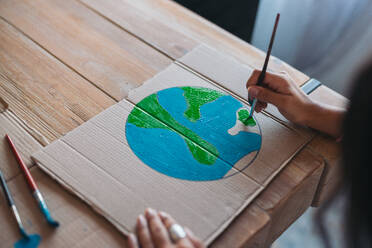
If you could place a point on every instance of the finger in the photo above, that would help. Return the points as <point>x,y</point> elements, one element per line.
<point>132,241</point>
<point>166,219</point>
<point>168,222</point>
<point>252,80</point>
<point>158,231</point>
<point>143,233</point>
<point>277,82</point>
<point>194,240</point>
<point>260,106</point>
<point>267,95</point>
<point>264,105</point>
<point>258,109</point>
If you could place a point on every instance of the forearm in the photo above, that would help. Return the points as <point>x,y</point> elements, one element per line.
<point>326,119</point>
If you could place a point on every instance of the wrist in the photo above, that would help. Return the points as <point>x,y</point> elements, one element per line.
<point>324,118</point>
<point>311,112</point>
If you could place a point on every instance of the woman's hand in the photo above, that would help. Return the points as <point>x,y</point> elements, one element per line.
<point>281,91</point>
<point>152,231</point>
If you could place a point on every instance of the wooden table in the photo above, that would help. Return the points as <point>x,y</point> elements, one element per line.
<point>62,62</point>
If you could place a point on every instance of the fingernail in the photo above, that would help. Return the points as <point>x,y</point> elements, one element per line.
<point>150,212</point>
<point>132,238</point>
<point>253,92</point>
<point>163,214</point>
<point>141,221</point>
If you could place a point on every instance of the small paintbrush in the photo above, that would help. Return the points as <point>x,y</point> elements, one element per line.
<point>261,77</point>
<point>31,182</point>
<point>12,206</point>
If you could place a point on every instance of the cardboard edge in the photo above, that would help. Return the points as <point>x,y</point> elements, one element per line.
<point>285,163</point>
<point>246,203</point>
<point>86,201</point>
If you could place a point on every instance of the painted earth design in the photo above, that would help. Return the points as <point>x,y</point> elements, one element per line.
<point>192,133</point>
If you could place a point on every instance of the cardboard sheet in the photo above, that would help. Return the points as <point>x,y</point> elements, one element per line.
<point>119,161</point>
<point>272,154</point>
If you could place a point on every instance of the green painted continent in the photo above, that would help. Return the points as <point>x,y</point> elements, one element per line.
<point>143,116</point>
<point>197,97</point>
<point>243,116</point>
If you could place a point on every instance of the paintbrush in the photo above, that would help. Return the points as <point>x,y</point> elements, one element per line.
<point>12,206</point>
<point>261,77</point>
<point>31,182</point>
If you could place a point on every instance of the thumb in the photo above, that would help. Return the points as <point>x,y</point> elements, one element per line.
<point>266,95</point>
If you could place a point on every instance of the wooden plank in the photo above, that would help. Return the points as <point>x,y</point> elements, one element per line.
<point>327,96</point>
<point>45,94</point>
<point>291,193</point>
<point>330,150</point>
<point>26,144</point>
<point>80,225</point>
<point>327,147</point>
<point>127,15</point>
<point>104,54</point>
<point>3,105</point>
<point>250,229</point>
<point>186,28</point>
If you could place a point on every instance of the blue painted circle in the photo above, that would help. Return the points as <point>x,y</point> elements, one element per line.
<point>166,151</point>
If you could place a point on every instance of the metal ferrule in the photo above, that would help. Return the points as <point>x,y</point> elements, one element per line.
<point>38,196</point>
<point>253,106</point>
<point>40,199</point>
<point>16,215</point>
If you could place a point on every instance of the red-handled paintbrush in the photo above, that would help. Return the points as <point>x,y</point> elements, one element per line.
<point>31,182</point>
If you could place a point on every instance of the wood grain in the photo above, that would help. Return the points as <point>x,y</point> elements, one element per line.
<point>25,143</point>
<point>3,105</point>
<point>102,53</point>
<point>186,28</point>
<point>250,229</point>
<point>325,95</point>
<point>41,91</point>
<point>133,19</point>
